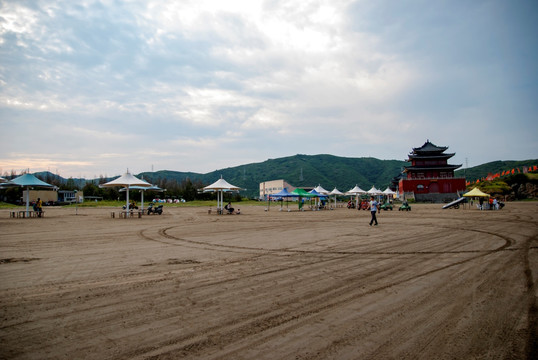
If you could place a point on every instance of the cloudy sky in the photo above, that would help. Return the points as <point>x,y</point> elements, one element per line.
<point>91,88</point>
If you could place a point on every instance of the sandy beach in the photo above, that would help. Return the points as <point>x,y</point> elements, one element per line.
<point>424,284</point>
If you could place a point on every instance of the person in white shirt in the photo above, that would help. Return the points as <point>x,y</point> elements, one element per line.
<point>373,210</point>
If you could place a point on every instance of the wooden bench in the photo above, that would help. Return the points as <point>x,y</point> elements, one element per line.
<point>22,214</point>
<point>123,214</point>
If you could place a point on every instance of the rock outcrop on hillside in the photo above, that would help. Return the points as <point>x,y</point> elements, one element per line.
<point>520,191</point>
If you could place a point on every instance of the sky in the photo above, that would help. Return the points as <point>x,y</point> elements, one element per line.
<point>93,88</point>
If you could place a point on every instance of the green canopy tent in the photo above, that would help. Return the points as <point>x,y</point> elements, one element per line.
<point>302,193</point>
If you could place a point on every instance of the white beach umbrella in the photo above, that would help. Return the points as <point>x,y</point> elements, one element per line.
<point>374,191</point>
<point>220,186</point>
<point>388,193</point>
<point>321,190</point>
<point>335,192</point>
<point>127,181</point>
<point>356,191</point>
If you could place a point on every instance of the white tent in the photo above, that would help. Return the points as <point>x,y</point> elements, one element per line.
<point>321,190</point>
<point>356,191</point>
<point>374,191</point>
<point>127,181</point>
<point>220,186</point>
<point>388,192</point>
<point>334,193</point>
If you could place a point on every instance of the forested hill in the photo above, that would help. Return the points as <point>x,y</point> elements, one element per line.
<point>302,171</point>
<point>494,167</point>
<point>299,170</point>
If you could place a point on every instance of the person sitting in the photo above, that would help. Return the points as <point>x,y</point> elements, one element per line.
<point>39,207</point>
<point>229,208</point>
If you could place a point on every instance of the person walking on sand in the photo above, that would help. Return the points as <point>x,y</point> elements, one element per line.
<point>373,209</point>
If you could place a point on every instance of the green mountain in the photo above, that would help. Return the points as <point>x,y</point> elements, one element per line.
<point>300,171</point>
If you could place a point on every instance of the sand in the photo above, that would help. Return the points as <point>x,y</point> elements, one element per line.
<point>425,284</point>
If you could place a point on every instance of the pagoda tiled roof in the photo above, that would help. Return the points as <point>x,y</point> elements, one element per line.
<point>429,167</point>
<point>431,156</point>
<point>429,147</point>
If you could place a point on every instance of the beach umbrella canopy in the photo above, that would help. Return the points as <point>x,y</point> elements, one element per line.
<point>28,181</point>
<point>476,192</point>
<point>127,181</point>
<point>374,191</point>
<point>335,192</point>
<point>220,186</point>
<point>321,190</point>
<point>356,191</point>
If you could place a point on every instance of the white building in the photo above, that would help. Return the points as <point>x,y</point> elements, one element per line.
<point>272,187</point>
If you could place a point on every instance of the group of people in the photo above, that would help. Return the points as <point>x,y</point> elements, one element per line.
<point>492,203</point>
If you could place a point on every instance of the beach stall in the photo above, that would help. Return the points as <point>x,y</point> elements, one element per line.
<point>477,193</point>
<point>356,191</point>
<point>335,192</point>
<point>127,181</point>
<point>29,181</point>
<point>220,186</point>
<point>284,193</point>
<point>142,191</point>
<point>302,193</point>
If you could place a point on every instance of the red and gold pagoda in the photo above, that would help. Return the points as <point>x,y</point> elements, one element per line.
<point>430,177</point>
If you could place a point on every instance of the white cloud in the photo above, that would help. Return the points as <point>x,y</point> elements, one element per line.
<point>214,81</point>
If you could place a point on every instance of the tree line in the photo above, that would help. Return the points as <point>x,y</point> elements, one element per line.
<point>185,189</point>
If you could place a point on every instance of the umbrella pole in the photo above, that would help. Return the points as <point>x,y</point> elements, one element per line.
<point>142,207</point>
<point>127,203</point>
<point>27,201</point>
<point>219,206</point>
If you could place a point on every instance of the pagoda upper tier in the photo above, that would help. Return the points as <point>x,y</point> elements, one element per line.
<point>429,149</point>
<point>431,159</point>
